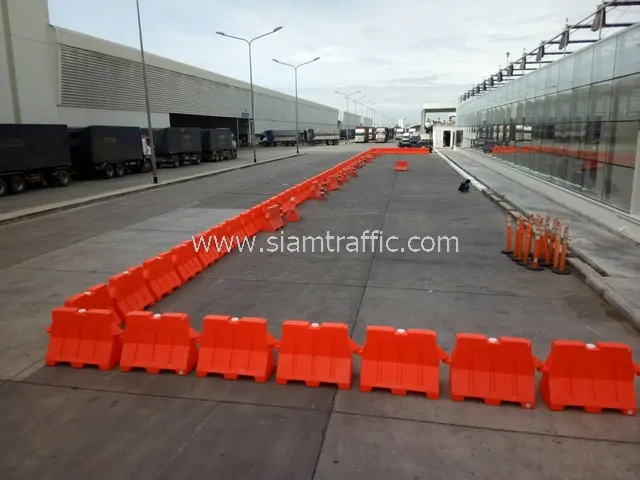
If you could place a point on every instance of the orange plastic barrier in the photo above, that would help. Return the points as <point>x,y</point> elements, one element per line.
<point>345,175</point>
<point>206,248</point>
<point>315,353</point>
<point>273,219</point>
<point>248,227</point>
<point>236,347</point>
<point>332,183</point>
<point>495,370</point>
<point>593,377</point>
<point>84,337</point>
<point>161,275</point>
<point>401,166</point>
<point>158,342</point>
<point>185,260</point>
<point>401,360</point>
<point>130,292</point>
<point>292,214</point>
<point>96,297</point>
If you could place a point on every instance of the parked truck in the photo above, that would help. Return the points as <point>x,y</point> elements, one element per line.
<point>176,146</point>
<point>33,155</point>
<point>382,135</point>
<point>109,151</point>
<point>328,136</point>
<point>362,134</point>
<point>273,138</point>
<point>218,144</point>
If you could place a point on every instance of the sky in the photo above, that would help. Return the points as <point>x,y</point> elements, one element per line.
<point>399,54</point>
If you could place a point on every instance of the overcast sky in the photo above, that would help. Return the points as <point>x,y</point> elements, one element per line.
<point>399,54</point>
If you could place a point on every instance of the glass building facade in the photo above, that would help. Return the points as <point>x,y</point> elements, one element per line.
<point>574,122</point>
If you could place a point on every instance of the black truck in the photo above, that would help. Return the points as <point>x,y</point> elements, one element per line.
<point>110,151</point>
<point>33,154</point>
<point>218,144</point>
<point>176,146</point>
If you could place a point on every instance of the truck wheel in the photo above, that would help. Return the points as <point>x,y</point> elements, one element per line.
<point>175,163</point>
<point>62,178</point>
<point>197,160</point>
<point>4,189</point>
<point>18,184</point>
<point>108,171</point>
<point>119,169</point>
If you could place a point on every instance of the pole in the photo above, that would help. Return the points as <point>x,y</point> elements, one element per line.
<point>295,70</point>
<point>154,170</point>
<point>252,124</point>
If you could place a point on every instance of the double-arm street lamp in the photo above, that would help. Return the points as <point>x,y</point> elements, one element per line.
<point>154,171</point>
<point>252,120</point>
<point>347,96</point>
<point>295,70</point>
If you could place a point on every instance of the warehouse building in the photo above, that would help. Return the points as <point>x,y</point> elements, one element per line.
<point>54,75</point>
<point>574,121</point>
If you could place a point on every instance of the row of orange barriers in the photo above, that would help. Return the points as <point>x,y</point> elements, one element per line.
<point>142,286</point>
<point>495,370</point>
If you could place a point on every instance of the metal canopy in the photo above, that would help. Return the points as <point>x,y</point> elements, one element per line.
<point>533,60</point>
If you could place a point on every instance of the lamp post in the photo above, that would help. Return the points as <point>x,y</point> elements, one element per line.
<point>154,171</point>
<point>347,96</point>
<point>252,120</point>
<point>295,70</point>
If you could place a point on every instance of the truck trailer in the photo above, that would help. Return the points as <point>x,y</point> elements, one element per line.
<point>176,146</point>
<point>33,154</point>
<point>110,151</point>
<point>218,144</point>
<point>328,136</point>
<point>273,138</point>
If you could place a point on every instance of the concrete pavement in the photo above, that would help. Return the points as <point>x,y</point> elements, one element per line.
<point>61,422</point>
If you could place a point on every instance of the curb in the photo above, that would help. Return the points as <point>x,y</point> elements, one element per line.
<point>589,272</point>
<point>29,213</point>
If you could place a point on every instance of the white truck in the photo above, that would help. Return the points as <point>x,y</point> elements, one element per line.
<point>399,132</point>
<point>362,135</point>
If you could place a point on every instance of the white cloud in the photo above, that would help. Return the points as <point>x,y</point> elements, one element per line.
<point>401,55</point>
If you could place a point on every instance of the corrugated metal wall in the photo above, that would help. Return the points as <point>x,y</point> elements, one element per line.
<point>95,80</point>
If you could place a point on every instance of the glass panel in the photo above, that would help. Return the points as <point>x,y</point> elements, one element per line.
<point>623,142</point>
<point>575,167</point>
<point>566,73</point>
<point>550,108</point>
<point>538,110</point>
<point>626,97</point>
<point>559,163</point>
<point>531,85</point>
<point>593,179</point>
<point>600,100</point>
<point>541,81</point>
<point>582,70</point>
<point>552,77</point>
<point>604,56</point>
<point>522,88</point>
<point>618,183</point>
<point>563,106</point>
<point>546,157</point>
<point>529,112</point>
<point>520,111</point>
<point>627,55</point>
<point>580,104</point>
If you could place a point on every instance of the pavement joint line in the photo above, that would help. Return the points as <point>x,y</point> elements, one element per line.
<point>326,411</point>
<point>616,300</point>
<point>491,429</point>
<point>32,212</point>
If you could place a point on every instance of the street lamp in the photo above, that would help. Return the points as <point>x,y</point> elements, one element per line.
<point>252,120</point>
<point>295,70</point>
<point>347,96</point>
<point>154,171</point>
